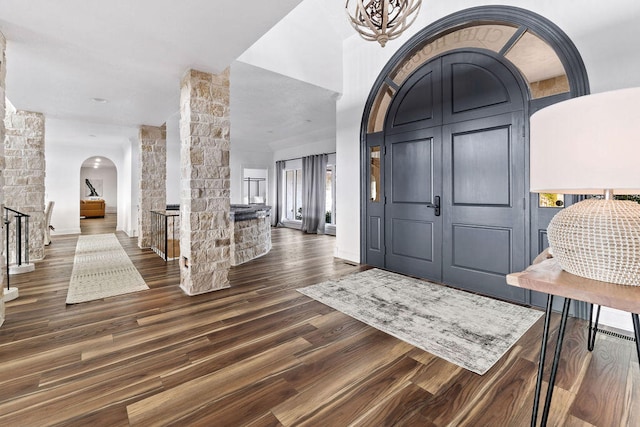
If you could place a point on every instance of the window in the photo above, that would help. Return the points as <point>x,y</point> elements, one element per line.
<point>374,174</point>
<point>330,200</point>
<point>293,195</point>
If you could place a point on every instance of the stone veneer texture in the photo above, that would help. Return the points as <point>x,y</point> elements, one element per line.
<point>3,74</point>
<point>205,182</point>
<point>152,180</point>
<point>251,239</point>
<point>24,174</point>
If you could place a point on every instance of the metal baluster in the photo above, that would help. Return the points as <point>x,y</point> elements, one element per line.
<point>26,240</point>
<point>6,235</point>
<point>18,240</point>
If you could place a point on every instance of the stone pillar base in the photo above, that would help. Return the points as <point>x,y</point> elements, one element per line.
<point>10,294</point>
<point>19,269</point>
<point>189,292</point>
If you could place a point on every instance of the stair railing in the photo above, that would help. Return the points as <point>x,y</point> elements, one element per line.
<point>21,224</point>
<point>165,233</point>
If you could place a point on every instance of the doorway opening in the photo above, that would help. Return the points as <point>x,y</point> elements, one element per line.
<point>254,185</point>
<point>98,195</point>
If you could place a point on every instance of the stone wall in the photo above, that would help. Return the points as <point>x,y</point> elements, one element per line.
<point>205,182</point>
<point>3,74</point>
<point>152,179</point>
<point>24,176</point>
<point>251,239</point>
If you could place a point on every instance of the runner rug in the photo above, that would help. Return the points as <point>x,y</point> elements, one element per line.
<point>101,269</point>
<point>472,331</point>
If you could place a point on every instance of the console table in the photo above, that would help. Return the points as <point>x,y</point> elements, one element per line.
<point>548,277</point>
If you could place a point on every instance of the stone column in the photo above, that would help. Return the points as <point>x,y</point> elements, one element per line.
<point>204,191</point>
<point>24,176</point>
<point>3,73</point>
<point>152,178</point>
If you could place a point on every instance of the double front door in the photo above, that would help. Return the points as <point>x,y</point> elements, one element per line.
<point>452,170</point>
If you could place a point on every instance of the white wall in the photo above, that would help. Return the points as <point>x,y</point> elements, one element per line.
<point>316,147</point>
<point>605,33</point>
<point>109,178</point>
<point>301,49</point>
<point>129,190</point>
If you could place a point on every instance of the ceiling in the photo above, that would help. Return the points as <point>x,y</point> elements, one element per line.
<point>289,110</point>
<point>63,55</point>
<point>97,162</point>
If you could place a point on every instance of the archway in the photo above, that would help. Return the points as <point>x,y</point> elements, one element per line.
<point>99,190</point>
<point>534,55</point>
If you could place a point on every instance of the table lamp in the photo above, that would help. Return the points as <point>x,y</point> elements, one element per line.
<point>590,145</point>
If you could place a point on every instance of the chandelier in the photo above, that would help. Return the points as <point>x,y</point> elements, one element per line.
<point>382,20</point>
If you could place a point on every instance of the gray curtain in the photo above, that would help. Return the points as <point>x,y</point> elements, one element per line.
<point>314,171</point>
<point>276,213</point>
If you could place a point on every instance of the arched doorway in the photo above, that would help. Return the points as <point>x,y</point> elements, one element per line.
<point>98,194</point>
<point>445,148</point>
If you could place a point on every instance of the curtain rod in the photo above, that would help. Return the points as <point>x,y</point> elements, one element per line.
<point>296,158</point>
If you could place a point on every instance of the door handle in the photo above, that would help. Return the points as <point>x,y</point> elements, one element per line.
<point>435,206</point>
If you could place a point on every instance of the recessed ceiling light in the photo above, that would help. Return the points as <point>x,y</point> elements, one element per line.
<point>98,159</point>
<point>100,100</point>
<point>95,166</point>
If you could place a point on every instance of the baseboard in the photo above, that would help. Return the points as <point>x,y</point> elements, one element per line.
<point>60,232</point>
<point>292,224</point>
<point>131,233</point>
<point>348,256</point>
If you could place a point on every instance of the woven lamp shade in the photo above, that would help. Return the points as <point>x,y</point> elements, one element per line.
<point>591,145</point>
<point>598,239</point>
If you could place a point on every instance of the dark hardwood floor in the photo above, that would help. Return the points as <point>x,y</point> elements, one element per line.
<point>261,354</point>
<point>99,225</point>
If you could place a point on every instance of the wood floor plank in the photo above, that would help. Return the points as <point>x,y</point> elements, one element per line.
<point>259,349</point>
<point>572,421</point>
<point>500,403</point>
<point>102,369</point>
<point>436,374</point>
<point>631,412</point>
<point>465,392</point>
<point>178,401</point>
<point>203,366</point>
<point>19,386</point>
<point>576,357</point>
<point>242,407</point>
<point>72,402</point>
<point>372,391</point>
<point>355,365</point>
<point>404,407</point>
<point>268,420</point>
<point>601,395</point>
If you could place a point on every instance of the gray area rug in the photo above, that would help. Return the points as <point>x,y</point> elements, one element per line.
<point>472,331</point>
<point>102,268</point>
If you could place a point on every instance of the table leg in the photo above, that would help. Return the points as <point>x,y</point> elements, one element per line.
<point>593,330</point>
<point>636,330</point>
<point>556,359</point>
<point>543,352</point>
